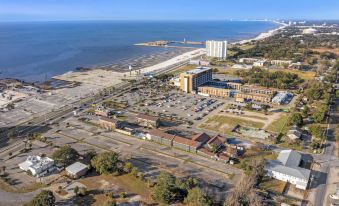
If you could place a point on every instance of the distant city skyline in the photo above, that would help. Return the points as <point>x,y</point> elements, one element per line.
<point>61,10</point>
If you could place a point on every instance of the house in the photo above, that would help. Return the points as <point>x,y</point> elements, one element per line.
<point>38,166</point>
<point>231,151</point>
<point>76,170</point>
<point>294,133</point>
<point>109,123</point>
<point>160,137</point>
<point>286,168</point>
<point>201,137</point>
<point>148,121</point>
<point>216,142</point>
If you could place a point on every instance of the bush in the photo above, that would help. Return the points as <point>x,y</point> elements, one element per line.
<point>44,198</point>
<point>106,163</point>
<point>65,155</point>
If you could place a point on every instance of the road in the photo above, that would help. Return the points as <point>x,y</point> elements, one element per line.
<point>329,158</point>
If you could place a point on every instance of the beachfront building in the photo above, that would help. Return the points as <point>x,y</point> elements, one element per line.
<point>191,80</point>
<point>217,49</point>
<point>286,168</point>
<point>38,166</point>
<point>148,121</point>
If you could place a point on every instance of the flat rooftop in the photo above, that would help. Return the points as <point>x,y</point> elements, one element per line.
<point>198,70</point>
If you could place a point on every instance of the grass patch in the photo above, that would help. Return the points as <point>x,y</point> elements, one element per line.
<point>183,69</point>
<point>273,185</point>
<point>226,124</point>
<point>128,183</point>
<point>5,186</point>
<point>279,125</point>
<point>306,75</point>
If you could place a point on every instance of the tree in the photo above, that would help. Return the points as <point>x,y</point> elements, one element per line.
<point>316,131</point>
<point>44,198</point>
<point>196,197</point>
<point>76,190</point>
<point>135,171</point>
<point>65,155</point>
<point>128,167</point>
<point>166,190</point>
<point>296,119</point>
<point>320,114</point>
<point>110,202</point>
<point>106,163</point>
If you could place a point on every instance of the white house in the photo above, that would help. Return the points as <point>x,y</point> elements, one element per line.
<point>38,166</point>
<point>286,168</point>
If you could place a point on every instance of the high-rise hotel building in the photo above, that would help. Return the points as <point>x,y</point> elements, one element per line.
<point>191,80</point>
<point>217,49</point>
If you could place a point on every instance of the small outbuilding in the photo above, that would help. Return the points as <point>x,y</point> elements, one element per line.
<point>76,170</point>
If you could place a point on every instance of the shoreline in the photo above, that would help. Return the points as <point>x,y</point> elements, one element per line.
<point>163,63</point>
<point>263,35</point>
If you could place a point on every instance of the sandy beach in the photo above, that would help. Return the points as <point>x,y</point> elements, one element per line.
<point>263,35</point>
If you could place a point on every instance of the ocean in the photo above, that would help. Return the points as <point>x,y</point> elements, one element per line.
<point>37,51</point>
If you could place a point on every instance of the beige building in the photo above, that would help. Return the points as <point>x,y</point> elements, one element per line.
<point>148,121</point>
<point>191,80</point>
<point>109,124</point>
<point>242,97</point>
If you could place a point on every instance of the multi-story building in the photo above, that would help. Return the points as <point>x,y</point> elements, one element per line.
<point>217,49</point>
<point>191,80</point>
<point>286,168</point>
<point>257,97</point>
<point>220,89</point>
<point>248,60</point>
<point>257,90</point>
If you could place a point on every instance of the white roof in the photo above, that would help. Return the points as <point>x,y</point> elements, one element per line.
<point>289,158</point>
<point>288,163</point>
<point>297,172</point>
<point>76,167</point>
<point>198,70</point>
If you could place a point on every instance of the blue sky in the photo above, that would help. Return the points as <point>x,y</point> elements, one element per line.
<point>49,10</point>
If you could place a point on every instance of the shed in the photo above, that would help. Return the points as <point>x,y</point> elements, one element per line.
<point>77,170</point>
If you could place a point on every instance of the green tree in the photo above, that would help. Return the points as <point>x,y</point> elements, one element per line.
<point>316,131</point>
<point>106,163</point>
<point>111,202</point>
<point>128,167</point>
<point>44,198</point>
<point>296,119</point>
<point>135,171</point>
<point>65,155</point>
<point>320,114</point>
<point>166,190</point>
<point>76,190</point>
<point>196,197</point>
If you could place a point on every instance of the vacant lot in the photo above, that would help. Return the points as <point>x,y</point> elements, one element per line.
<point>226,124</point>
<point>279,125</point>
<point>124,183</point>
<point>273,185</point>
<point>302,74</point>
